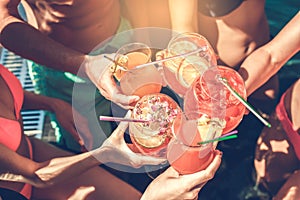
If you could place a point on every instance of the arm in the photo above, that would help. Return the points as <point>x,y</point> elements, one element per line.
<point>184,15</point>
<point>137,12</point>
<point>17,168</point>
<point>267,60</point>
<point>28,42</point>
<point>68,117</point>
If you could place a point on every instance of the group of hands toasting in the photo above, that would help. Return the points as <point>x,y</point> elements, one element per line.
<point>98,70</point>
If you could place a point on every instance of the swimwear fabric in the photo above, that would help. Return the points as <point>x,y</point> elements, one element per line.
<point>218,8</point>
<point>10,130</point>
<point>287,125</point>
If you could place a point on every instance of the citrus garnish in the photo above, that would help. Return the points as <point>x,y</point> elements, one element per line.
<point>118,71</point>
<point>191,68</point>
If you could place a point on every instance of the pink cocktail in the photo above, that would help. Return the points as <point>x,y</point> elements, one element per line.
<point>152,137</point>
<point>180,72</point>
<point>208,95</point>
<point>185,154</point>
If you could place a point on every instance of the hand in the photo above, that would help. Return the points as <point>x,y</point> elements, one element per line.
<point>171,185</point>
<point>98,70</point>
<point>78,129</point>
<point>117,151</point>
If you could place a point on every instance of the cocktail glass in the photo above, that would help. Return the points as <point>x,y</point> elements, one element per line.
<point>136,81</point>
<point>185,152</point>
<point>207,91</point>
<point>181,72</point>
<point>152,137</point>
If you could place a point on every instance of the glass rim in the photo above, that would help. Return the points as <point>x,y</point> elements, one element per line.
<point>174,135</point>
<point>200,79</point>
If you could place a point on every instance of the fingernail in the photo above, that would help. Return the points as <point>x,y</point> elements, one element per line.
<point>164,162</point>
<point>221,153</point>
<point>81,143</point>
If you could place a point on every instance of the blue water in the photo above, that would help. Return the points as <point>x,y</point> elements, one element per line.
<point>279,12</point>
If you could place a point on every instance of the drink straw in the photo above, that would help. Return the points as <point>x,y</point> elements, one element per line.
<point>218,139</point>
<point>172,57</point>
<point>120,119</point>
<point>243,101</point>
<point>230,133</point>
<point>116,62</point>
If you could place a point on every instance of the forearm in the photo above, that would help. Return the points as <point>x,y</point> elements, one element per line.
<point>39,102</point>
<point>257,69</point>
<point>29,43</point>
<point>137,12</point>
<point>59,169</point>
<point>183,15</point>
<point>17,168</point>
<point>266,61</point>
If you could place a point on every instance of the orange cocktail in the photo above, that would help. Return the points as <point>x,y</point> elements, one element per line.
<point>180,72</point>
<point>185,154</point>
<point>135,81</point>
<point>152,137</point>
<point>208,95</point>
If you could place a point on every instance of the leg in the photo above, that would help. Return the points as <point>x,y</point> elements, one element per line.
<point>291,188</point>
<point>276,159</point>
<point>95,183</point>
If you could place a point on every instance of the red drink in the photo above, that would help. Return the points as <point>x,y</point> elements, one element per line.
<point>152,138</point>
<point>208,95</point>
<point>184,153</point>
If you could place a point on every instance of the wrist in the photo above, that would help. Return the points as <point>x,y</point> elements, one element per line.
<point>101,155</point>
<point>85,64</point>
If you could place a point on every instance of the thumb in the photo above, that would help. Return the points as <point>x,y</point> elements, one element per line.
<point>123,125</point>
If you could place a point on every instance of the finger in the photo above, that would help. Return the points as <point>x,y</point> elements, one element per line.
<point>160,55</point>
<point>111,92</point>
<point>199,186</point>
<point>83,130</point>
<point>124,100</point>
<point>192,194</point>
<point>121,128</point>
<point>133,148</point>
<point>246,112</point>
<point>139,160</point>
<point>171,172</point>
<point>76,135</point>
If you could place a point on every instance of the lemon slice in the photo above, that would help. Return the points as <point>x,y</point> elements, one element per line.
<point>192,67</point>
<point>203,127</point>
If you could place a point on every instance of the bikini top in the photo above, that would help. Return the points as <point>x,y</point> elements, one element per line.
<point>10,130</point>
<point>217,8</point>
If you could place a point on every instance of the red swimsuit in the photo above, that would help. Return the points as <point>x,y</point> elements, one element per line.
<point>10,130</point>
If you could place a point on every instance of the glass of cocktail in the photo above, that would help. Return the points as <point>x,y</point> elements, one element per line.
<point>207,93</point>
<point>185,152</point>
<point>136,81</point>
<point>180,72</point>
<point>152,137</point>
